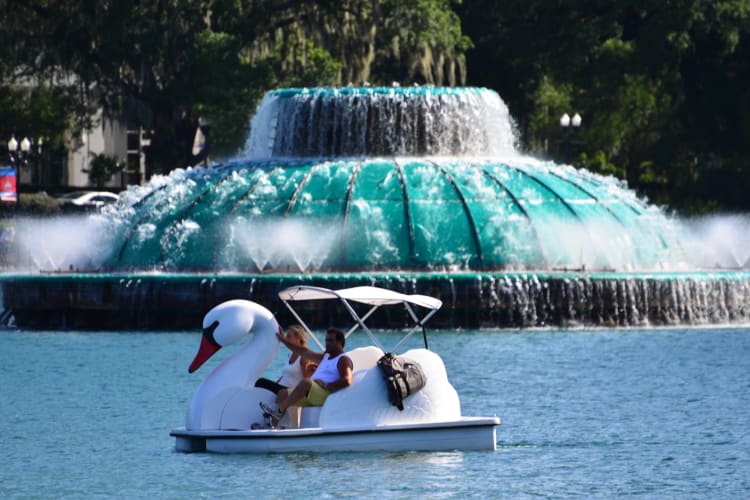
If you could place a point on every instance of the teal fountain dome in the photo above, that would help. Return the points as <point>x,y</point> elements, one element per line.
<point>387,179</point>
<point>418,189</point>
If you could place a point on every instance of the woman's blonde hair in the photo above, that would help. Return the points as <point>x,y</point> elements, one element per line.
<point>298,332</point>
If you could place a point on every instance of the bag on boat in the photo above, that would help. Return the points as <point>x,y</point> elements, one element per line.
<point>403,377</point>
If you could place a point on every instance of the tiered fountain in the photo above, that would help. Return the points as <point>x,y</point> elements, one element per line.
<point>416,189</point>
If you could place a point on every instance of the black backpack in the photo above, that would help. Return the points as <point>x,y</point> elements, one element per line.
<point>403,377</point>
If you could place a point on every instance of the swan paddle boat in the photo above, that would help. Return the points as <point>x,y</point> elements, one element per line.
<point>224,414</point>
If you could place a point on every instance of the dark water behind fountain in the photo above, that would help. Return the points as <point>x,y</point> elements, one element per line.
<point>417,189</point>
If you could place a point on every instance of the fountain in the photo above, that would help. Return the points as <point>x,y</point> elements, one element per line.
<point>418,189</point>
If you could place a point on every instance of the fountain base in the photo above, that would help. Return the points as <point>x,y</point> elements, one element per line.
<point>155,301</point>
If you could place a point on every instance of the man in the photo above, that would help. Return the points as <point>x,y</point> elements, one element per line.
<point>334,372</point>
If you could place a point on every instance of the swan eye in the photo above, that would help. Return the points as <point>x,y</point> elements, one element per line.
<point>208,333</point>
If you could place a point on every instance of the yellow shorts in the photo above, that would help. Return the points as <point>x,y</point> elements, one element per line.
<point>316,396</point>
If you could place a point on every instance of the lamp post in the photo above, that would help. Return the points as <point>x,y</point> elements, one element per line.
<point>38,163</point>
<point>19,154</point>
<point>13,150</point>
<point>14,155</point>
<point>570,126</point>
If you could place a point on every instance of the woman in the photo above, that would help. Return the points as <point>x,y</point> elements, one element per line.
<point>294,370</point>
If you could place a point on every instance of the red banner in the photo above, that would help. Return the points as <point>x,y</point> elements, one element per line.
<point>8,184</point>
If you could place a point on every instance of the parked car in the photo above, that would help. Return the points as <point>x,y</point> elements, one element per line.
<point>86,201</point>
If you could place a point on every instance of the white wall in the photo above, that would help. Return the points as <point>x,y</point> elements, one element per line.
<point>108,137</point>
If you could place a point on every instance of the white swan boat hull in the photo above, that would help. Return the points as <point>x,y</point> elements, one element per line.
<point>225,414</point>
<point>467,433</point>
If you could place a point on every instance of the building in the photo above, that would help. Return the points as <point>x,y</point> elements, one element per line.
<point>111,138</point>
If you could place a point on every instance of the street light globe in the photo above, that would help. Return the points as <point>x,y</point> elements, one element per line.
<point>25,145</point>
<point>565,120</point>
<point>576,121</point>
<point>13,144</point>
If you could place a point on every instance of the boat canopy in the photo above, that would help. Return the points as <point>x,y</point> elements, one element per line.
<point>370,295</point>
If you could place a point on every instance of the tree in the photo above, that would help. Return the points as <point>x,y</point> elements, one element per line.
<point>661,86</point>
<point>164,65</point>
<point>102,168</point>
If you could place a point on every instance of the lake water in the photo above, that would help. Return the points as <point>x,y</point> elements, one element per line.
<point>645,413</point>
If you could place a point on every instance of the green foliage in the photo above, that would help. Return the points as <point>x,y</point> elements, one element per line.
<point>662,87</point>
<point>38,203</point>
<point>598,162</point>
<point>102,168</point>
<point>320,68</point>
<point>223,88</point>
<point>549,102</point>
<point>165,65</point>
<point>639,112</point>
<point>420,41</point>
<point>35,112</point>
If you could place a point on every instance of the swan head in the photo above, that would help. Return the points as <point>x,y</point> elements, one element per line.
<point>226,324</point>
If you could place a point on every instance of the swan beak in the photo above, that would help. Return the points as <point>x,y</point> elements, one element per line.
<point>205,351</point>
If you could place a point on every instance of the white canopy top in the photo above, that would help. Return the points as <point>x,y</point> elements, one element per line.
<point>371,295</point>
